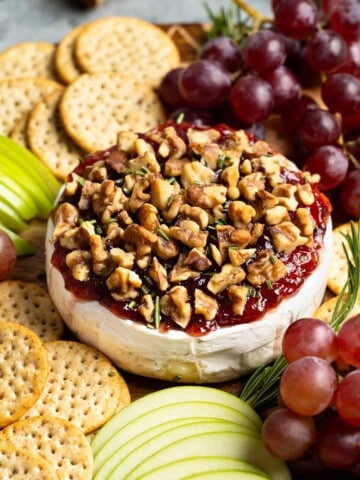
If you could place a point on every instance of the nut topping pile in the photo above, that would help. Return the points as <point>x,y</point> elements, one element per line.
<point>182,220</point>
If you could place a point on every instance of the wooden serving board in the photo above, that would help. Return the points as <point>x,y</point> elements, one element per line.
<point>32,268</point>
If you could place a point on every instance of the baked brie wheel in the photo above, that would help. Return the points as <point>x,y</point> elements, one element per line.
<point>183,253</point>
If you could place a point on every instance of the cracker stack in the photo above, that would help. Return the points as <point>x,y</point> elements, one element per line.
<point>73,98</point>
<point>55,392</point>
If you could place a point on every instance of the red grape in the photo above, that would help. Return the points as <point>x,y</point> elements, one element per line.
<point>347,398</point>
<point>7,255</point>
<point>330,163</point>
<point>350,193</point>
<point>288,435</point>
<point>309,336</point>
<point>348,340</point>
<point>338,444</point>
<point>326,51</point>
<point>307,385</point>
<point>352,62</point>
<point>341,93</point>
<point>293,116</point>
<point>251,99</point>
<point>285,86</point>
<point>319,127</point>
<point>169,89</point>
<point>264,50</point>
<point>223,50</point>
<point>295,18</point>
<point>351,122</point>
<point>204,84</point>
<point>345,19</point>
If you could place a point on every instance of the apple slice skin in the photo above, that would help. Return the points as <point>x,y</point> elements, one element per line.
<point>238,445</point>
<point>10,218</point>
<point>33,164</point>
<point>17,202</point>
<point>126,443</point>
<point>169,395</point>
<point>227,474</point>
<point>144,427</point>
<point>195,465</point>
<point>9,186</point>
<point>22,247</point>
<point>28,184</point>
<point>120,465</point>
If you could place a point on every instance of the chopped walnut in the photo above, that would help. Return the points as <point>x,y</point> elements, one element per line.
<point>286,237</point>
<point>206,197</point>
<point>159,275</point>
<point>149,217</point>
<point>195,173</point>
<point>79,262</point>
<point>230,176</point>
<point>147,307</point>
<point>229,275</point>
<point>276,215</point>
<point>286,195</point>
<point>165,249</point>
<point>238,297</point>
<point>126,140</point>
<point>197,260</point>
<point>161,192</point>
<point>205,305</point>
<point>305,194</point>
<point>65,218</point>
<point>175,304</point>
<point>140,238</point>
<point>238,256</point>
<point>199,215</point>
<point>267,268</point>
<point>251,185</point>
<point>189,234</point>
<point>173,145</point>
<point>122,258</point>
<point>305,221</point>
<point>173,167</point>
<point>173,207</point>
<point>123,283</point>
<point>241,213</point>
<point>139,196</point>
<point>181,271</point>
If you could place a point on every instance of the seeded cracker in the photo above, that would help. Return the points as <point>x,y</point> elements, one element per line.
<point>48,139</point>
<point>65,61</point>
<point>29,304</point>
<point>20,464</point>
<point>95,107</point>
<point>126,44</point>
<point>18,96</point>
<point>23,371</point>
<point>338,270</point>
<point>58,441</point>
<point>28,59</point>
<point>83,386</point>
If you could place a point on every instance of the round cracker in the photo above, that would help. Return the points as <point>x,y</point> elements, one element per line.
<point>18,96</point>
<point>338,268</point>
<point>95,107</point>
<point>23,371</point>
<point>48,139</point>
<point>83,386</point>
<point>326,309</point>
<point>65,60</point>
<point>29,304</point>
<point>126,44</point>
<point>28,59</point>
<point>19,132</point>
<point>58,441</point>
<point>21,464</point>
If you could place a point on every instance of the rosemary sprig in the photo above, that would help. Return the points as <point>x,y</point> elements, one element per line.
<point>228,23</point>
<point>261,389</point>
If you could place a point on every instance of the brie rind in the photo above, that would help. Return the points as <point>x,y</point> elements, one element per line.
<point>221,355</point>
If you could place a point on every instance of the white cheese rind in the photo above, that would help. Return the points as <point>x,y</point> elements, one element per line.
<point>222,355</point>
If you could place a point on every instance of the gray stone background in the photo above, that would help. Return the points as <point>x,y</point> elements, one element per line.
<point>49,20</point>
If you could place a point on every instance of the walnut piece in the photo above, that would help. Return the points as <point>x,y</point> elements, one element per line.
<point>175,304</point>
<point>267,268</point>
<point>205,305</point>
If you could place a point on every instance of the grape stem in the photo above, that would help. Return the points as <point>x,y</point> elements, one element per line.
<point>261,389</point>
<point>258,18</point>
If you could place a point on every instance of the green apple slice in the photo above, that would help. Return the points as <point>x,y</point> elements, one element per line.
<point>233,444</point>
<point>10,218</point>
<point>7,183</point>
<point>17,202</point>
<point>227,474</point>
<point>27,160</point>
<point>121,465</point>
<point>177,394</point>
<point>196,465</point>
<point>22,247</point>
<point>143,426</point>
<point>28,184</point>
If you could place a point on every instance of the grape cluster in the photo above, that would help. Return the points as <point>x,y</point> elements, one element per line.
<point>7,255</point>
<point>306,44</point>
<point>317,426</point>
